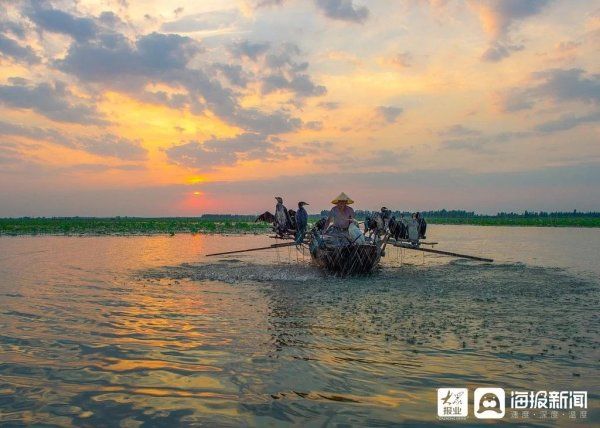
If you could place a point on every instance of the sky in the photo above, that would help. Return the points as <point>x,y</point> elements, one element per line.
<point>180,108</point>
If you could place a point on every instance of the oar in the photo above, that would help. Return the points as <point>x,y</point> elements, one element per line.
<point>287,244</point>
<point>445,253</point>
<point>401,241</point>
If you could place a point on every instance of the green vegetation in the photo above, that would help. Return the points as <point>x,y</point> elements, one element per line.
<point>125,226</point>
<point>519,221</point>
<point>213,223</point>
<point>528,218</point>
<point>540,219</point>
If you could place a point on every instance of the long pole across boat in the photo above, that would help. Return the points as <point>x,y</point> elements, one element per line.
<point>287,244</point>
<point>444,253</point>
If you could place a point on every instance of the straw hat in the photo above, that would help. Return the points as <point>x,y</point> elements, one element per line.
<point>342,197</point>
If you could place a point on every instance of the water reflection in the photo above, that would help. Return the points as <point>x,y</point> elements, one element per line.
<point>126,331</point>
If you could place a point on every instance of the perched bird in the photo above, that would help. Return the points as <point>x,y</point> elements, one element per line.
<point>301,222</point>
<point>282,217</point>
<point>422,225</point>
<point>386,215</point>
<point>266,217</point>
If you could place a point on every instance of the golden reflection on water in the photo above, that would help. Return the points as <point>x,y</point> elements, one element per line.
<point>145,329</point>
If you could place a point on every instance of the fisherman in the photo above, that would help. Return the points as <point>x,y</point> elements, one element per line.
<point>341,215</point>
<point>282,217</point>
<point>301,222</point>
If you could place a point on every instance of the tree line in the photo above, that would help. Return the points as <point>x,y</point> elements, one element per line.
<point>443,213</point>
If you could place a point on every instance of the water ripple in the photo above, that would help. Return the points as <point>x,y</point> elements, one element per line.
<point>115,340</point>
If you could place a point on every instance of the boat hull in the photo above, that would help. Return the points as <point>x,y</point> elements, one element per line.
<point>348,260</point>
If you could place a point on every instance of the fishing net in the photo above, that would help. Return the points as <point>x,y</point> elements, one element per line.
<point>349,260</point>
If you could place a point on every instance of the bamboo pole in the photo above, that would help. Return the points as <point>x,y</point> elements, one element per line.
<point>444,253</point>
<point>408,241</point>
<point>287,244</point>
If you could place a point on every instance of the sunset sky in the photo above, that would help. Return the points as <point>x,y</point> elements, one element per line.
<point>179,108</point>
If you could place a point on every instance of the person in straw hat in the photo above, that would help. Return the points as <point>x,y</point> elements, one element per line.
<point>341,215</point>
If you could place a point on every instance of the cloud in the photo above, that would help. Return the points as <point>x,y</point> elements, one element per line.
<point>388,158</point>
<point>15,161</point>
<point>567,122</point>
<point>389,113</point>
<point>219,152</point>
<point>111,20</point>
<point>112,145</point>
<point>282,70</point>
<point>343,10</point>
<point>115,62</point>
<point>282,57</point>
<point>10,48</point>
<point>32,132</point>
<point>266,123</point>
<point>315,125</point>
<point>7,26</point>
<point>402,60</point>
<point>248,49</point>
<point>54,101</point>
<point>99,167</point>
<point>482,143</point>
<point>174,101</point>
<point>256,4</point>
<point>558,85</point>
<point>329,105</point>
<point>567,85</point>
<point>201,22</point>
<point>458,130</point>
<point>300,84</point>
<point>498,17</point>
<point>498,51</point>
<point>233,73</point>
<point>514,99</point>
<point>103,145</point>
<point>164,52</point>
<point>58,21</point>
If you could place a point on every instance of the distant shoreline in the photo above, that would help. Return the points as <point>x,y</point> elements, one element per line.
<point>135,226</point>
<point>586,222</point>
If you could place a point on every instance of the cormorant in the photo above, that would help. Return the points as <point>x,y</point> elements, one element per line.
<point>422,226</point>
<point>301,222</point>
<point>282,217</point>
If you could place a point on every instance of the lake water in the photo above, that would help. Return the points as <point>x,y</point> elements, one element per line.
<point>146,331</point>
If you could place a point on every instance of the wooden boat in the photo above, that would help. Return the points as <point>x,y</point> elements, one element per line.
<point>349,260</point>
<point>342,257</point>
<point>346,259</point>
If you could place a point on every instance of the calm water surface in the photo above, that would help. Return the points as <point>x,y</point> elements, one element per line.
<point>146,331</point>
